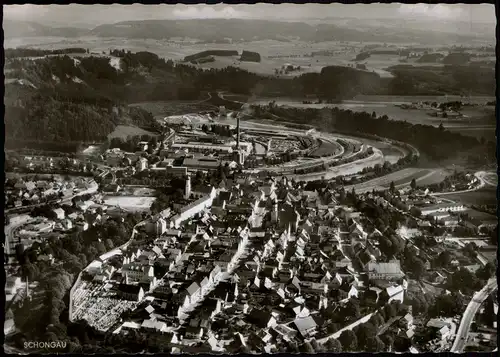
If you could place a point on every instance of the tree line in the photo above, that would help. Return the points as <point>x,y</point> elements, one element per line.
<point>33,52</point>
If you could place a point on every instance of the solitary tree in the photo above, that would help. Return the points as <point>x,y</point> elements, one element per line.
<point>348,340</point>
<point>413,184</point>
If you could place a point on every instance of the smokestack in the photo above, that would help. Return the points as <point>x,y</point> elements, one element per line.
<point>238,132</point>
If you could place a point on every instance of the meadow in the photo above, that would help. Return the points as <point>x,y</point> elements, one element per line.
<point>484,196</point>
<point>122,131</point>
<point>387,105</point>
<point>161,109</point>
<point>274,53</point>
<point>130,203</point>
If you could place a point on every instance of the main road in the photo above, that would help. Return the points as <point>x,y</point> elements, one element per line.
<point>468,316</point>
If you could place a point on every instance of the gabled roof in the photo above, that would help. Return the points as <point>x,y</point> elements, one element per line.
<point>305,324</point>
<point>204,282</point>
<point>193,288</point>
<point>392,267</point>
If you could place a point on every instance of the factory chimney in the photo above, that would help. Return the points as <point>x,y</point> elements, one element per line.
<point>237,132</point>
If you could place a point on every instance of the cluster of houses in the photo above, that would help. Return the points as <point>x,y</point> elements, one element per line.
<point>182,265</point>
<point>28,192</point>
<point>78,216</point>
<point>267,257</point>
<point>50,163</point>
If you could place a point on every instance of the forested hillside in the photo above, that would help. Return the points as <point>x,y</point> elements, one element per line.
<point>62,98</point>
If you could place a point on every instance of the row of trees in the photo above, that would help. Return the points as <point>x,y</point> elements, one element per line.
<point>364,337</point>
<point>34,52</point>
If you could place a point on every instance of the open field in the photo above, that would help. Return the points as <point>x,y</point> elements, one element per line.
<point>139,191</point>
<point>482,216</point>
<point>274,53</point>
<point>402,178</point>
<point>423,177</point>
<point>487,132</point>
<point>130,203</point>
<point>173,107</point>
<point>122,131</point>
<point>386,105</point>
<point>483,196</point>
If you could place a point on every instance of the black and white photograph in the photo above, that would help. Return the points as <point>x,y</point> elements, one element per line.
<point>250,178</point>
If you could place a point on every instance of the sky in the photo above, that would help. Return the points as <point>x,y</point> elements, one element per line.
<point>92,15</point>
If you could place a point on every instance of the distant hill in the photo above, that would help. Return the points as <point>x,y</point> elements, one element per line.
<point>14,29</point>
<point>217,30</point>
<point>212,30</point>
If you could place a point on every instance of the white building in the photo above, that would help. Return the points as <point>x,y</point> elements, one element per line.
<point>134,272</point>
<point>59,213</point>
<point>142,164</point>
<point>192,209</point>
<point>442,208</point>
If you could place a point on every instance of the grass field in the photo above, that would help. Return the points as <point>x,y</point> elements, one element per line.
<point>139,191</point>
<point>402,178</point>
<point>274,54</point>
<point>482,216</point>
<point>484,196</point>
<point>487,132</point>
<point>386,105</point>
<point>423,177</point>
<point>122,131</point>
<point>174,107</point>
<point>130,203</point>
<point>416,175</point>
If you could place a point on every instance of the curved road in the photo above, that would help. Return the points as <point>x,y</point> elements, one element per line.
<point>482,182</point>
<point>11,228</point>
<point>468,316</point>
